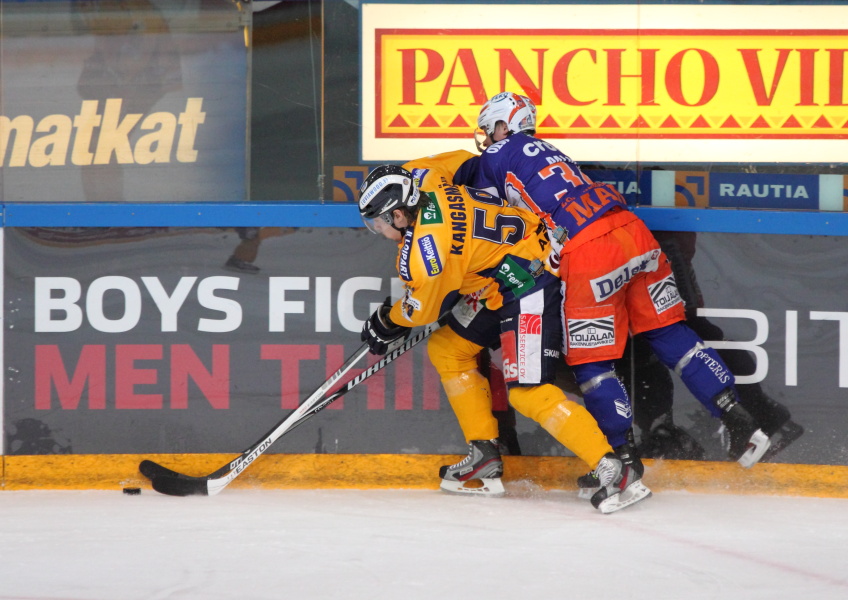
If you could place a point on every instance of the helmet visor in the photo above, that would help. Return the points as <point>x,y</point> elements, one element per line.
<point>378,224</point>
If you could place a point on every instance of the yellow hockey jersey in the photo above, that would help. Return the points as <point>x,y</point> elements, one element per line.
<point>464,241</point>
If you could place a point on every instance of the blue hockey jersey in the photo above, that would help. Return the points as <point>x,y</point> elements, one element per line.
<point>534,174</point>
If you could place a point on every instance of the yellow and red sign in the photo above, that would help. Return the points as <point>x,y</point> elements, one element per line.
<point>647,92</point>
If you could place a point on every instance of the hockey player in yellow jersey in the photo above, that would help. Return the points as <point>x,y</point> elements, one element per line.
<point>457,242</point>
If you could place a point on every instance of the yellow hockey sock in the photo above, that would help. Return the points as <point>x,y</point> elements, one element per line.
<point>471,399</point>
<point>467,390</point>
<point>567,421</point>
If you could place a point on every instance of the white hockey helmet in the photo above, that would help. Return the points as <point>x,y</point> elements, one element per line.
<point>386,188</point>
<point>517,111</point>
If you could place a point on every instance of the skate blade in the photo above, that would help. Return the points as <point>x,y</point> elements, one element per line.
<point>491,487</point>
<point>758,445</point>
<point>635,492</point>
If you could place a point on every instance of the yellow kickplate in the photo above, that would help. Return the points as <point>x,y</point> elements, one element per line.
<point>363,471</point>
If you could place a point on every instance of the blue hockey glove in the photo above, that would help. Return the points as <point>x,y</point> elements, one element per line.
<point>379,330</point>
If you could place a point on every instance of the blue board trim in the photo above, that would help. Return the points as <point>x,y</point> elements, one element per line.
<point>304,214</point>
<point>744,221</point>
<point>265,214</point>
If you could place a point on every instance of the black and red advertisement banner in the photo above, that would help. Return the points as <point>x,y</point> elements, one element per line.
<point>155,340</point>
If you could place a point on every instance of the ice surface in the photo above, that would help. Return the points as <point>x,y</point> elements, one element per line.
<point>413,544</point>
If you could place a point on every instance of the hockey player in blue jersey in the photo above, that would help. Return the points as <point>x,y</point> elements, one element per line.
<point>617,279</point>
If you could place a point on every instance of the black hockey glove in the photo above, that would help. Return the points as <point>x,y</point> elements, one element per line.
<point>380,332</point>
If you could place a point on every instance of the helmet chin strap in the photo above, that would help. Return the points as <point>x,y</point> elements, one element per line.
<point>402,230</point>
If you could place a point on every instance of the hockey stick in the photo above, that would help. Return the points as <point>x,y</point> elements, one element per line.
<point>153,470</point>
<point>172,483</point>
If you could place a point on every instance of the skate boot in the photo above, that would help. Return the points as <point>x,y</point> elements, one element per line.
<point>741,438</point>
<point>620,486</point>
<point>669,441</point>
<point>588,484</point>
<point>769,414</point>
<point>483,464</point>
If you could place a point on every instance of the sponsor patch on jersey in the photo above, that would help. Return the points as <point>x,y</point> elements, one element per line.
<point>664,294</point>
<point>468,307</point>
<point>528,350</point>
<point>418,176</point>
<point>432,262</point>
<point>515,278</point>
<point>430,212</point>
<point>521,349</point>
<point>591,333</point>
<point>403,259</point>
<point>606,285</point>
<point>508,353</point>
<point>409,304</point>
<point>530,324</point>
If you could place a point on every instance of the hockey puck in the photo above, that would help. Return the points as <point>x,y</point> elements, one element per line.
<point>132,491</point>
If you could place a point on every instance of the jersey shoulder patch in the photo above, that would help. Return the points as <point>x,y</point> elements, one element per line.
<point>431,212</point>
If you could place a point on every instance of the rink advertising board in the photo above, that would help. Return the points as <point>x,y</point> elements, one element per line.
<point>693,189</point>
<point>702,189</point>
<point>123,341</point>
<point>755,83</point>
<point>140,340</point>
<point>112,108</point>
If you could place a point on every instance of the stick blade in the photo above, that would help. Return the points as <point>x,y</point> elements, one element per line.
<point>180,486</point>
<point>151,470</point>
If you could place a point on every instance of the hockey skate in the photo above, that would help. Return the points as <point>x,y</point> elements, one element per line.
<point>620,485</point>
<point>589,483</point>
<point>483,466</point>
<point>740,437</point>
<point>773,418</point>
